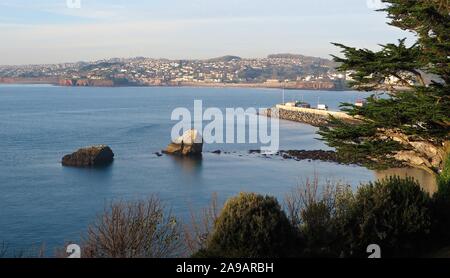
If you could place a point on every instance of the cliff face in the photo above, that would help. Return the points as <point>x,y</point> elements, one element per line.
<point>86,82</point>
<point>421,154</point>
<point>57,81</point>
<point>29,80</point>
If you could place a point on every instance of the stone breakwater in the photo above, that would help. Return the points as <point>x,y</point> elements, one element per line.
<point>309,116</point>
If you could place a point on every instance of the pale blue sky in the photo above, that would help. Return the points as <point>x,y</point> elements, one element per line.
<point>47,31</point>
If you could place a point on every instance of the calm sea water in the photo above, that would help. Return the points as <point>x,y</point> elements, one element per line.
<point>43,202</point>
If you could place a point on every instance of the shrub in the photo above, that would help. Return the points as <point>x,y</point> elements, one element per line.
<point>444,180</point>
<point>196,234</point>
<point>251,226</point>
<point>33,252</point>
<point>313,213</point>
<point>393,213</point>
<point>441,207</point>
<point>3,250</point>
<point>133,230</point>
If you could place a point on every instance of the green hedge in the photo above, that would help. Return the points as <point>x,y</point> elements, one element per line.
<point>393,213</point>
<point>251,226</point>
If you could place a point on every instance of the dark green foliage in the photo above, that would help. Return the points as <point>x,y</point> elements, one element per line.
<point>417,104</point>
<point>441,220</point>
<point>319,230</point>
<point>441,207</point>
<point>444,180</point>
<point>360,143</point>
<point>430,21</point>
<point>312,209</point>
<point>371,68</point>
<point>393,213</point>
<point>251,226</point>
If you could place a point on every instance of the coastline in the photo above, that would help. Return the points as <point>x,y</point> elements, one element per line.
<point>311,86</point>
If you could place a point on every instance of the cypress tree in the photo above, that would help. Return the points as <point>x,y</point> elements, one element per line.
<point>409,110</point>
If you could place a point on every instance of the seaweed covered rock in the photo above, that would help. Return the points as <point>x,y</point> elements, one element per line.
<point>89,157</point>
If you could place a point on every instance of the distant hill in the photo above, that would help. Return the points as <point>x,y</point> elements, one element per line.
<point>287,56</point>
<point>226,58</point>
<point>90,67</point>
<point>305,59</point>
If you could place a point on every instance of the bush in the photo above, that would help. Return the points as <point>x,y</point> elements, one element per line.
<point>133,230</point>
<point>441,207</point>
<point>33,252</point>
<point>251,226</point>
<point>444,180</point>
<point>196,234</point>
<point>314,215</point>
<point>393,213</point>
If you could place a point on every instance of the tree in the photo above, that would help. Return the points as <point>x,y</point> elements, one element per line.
<point>410,121</point>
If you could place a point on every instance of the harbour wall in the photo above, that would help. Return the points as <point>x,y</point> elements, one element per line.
<point>314,117</point>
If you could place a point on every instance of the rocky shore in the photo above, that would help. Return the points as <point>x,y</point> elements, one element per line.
<point>329,156</point>
<point>312,155</point>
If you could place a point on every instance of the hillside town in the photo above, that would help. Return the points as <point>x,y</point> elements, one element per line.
<point>276,71</point>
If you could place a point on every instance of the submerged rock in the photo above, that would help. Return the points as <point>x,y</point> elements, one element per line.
<point>89,157</point>
<point>190,144</point>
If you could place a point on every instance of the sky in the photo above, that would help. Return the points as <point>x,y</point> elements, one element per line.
<point>56,31</point>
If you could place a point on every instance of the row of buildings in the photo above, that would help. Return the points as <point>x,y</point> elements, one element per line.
<point>275,70</point>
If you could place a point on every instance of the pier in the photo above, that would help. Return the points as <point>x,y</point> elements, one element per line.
<point>314,117</point>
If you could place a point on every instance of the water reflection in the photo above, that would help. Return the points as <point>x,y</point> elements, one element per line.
<point>190,165</point>
<point>90,175</point>
<point>426,179</point>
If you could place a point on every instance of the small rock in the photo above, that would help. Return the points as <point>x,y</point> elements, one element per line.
<point>89,157</point>
<point>217,152</point>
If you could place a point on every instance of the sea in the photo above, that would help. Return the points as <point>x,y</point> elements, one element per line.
<point>43,203</point>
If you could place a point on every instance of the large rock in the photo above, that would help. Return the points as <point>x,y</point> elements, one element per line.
<point>412,158</point>
<point>89,157</point>
<point>190,144</point>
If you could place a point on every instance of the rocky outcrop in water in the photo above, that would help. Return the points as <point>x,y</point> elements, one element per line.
<point>321,155</point>
<point>89,157</point>
<point>313,155</point>
<point>190,144</point>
